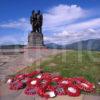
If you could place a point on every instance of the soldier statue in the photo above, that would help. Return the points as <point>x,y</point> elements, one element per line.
<point>36,21</point>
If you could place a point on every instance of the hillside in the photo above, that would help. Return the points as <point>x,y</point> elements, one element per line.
<point>91,44</point>
<point>11,46</point>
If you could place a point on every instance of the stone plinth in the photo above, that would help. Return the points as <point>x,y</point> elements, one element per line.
<point>35,39</point>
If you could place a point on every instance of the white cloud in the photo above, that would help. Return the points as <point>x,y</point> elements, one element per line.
<point>8,40</point>
<point>76,32</point>
<point>64,22</point>
<point>72,37</point>
<point>56,16</point>
<point>63,34</point>
<point>63,28</point>
<point>63,14</point>
<point>94,23</point>
<point>21,24</point>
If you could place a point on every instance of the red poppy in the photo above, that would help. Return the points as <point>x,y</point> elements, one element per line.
<point>72,90</point>
<point>80,79</point>
<point>30,91</point>
<point>56,78</point>
<point>33,74</point>
<point>66,81</point>
<point>21,76</point>
<point>46,75</point>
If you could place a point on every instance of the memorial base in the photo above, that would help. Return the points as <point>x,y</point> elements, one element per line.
<point>35,40</point>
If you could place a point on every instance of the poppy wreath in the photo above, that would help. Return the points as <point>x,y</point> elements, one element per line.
<point>60,90</point>
<point>72,90</point>
<point>83,84</point>
<point>86,86</point>
<point>55,81</point>
<point>30,90</point>
<point>48,85</point>
<point>16,85</point>
<point>66,81</point>
<point>48,92</point>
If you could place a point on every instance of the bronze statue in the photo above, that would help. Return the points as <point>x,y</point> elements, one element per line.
<point>36,21</point>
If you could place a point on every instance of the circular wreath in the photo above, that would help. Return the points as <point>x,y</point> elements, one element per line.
<point>83,84</point>
<point>16,85</point>
<point>49,92</point>
<point>86,86</point>
<point>72,90</point>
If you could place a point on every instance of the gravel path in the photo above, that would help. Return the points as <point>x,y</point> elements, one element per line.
<point>19,62</point>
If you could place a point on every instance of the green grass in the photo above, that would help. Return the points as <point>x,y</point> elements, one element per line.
<point>73,64</point>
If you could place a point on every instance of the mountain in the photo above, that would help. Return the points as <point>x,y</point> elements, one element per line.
<point>53,46</point>
<point>11,46</point>
<point>91,44</point>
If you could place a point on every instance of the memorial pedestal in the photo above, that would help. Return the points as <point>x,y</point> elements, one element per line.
<point>35,40</point>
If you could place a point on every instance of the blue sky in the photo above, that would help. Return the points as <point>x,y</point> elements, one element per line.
<point>65,21</point>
